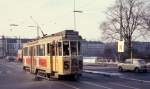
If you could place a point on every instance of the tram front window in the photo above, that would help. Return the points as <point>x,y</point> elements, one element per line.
<point>70,50</point>
<point>66,48</point>
<point>73,47</point>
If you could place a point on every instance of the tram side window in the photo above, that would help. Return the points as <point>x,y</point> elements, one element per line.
<point>59,49</point>
<point>25,51</point>
<point>34,51</point>
<point>66,48</point>
<point>41,50</point>
<point>50,49</point>
<point>73,45</point>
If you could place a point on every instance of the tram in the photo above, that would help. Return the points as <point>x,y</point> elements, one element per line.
<point>54,56</point>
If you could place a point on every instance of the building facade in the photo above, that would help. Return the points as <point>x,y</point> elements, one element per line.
<point>9,46</point>
<point>92,48</point>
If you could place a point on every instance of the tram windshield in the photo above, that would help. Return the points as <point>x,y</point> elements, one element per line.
<point>71,48</point>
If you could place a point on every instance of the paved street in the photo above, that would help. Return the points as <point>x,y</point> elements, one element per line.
<point>114,70</point>
<point>13,77</point>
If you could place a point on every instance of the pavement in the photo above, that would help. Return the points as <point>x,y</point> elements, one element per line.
<point>113,72</point>
<point>13,77</point>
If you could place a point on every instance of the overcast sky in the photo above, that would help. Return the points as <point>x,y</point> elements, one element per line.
<point>52,16</point>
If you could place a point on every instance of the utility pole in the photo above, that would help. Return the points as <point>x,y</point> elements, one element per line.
<point>37,27</point>
<point>75,11</point>
<point>74,16</point>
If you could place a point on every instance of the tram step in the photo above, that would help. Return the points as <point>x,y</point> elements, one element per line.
<point>39,76</point>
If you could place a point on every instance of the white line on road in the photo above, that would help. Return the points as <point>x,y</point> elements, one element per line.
<point>103,73</point>
<point>118,84</point>
<point>97,85</point>
<point>92,67</point>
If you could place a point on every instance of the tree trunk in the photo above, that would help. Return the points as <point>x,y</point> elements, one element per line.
<point>129,48</point>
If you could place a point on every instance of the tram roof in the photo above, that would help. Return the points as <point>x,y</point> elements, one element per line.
<point>62,34</point>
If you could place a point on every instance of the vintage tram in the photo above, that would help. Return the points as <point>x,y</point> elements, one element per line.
<point>54,56</point>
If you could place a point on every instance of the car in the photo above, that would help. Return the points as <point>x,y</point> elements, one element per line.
<point>136,65</point>
<point>10,58</point>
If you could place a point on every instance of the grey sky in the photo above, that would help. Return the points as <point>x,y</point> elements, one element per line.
<point>52,15</point>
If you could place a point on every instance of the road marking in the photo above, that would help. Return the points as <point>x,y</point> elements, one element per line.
<point>68,85</point>
<point>118,84</point>
<point>103,73</point>
<point>132,79</point>
<point>97,85</point>
<point>92,67</point>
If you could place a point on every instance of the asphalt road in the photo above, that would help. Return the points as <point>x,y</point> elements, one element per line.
<point>13,77</point>
<point>127,74</point>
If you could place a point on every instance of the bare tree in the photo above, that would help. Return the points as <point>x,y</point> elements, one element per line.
<point>126,20</point>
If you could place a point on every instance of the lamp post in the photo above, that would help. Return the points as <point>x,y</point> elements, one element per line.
<point>75,11</point>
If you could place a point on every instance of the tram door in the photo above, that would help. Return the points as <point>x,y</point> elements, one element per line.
<point>32,52</point>
<point>50,51</point>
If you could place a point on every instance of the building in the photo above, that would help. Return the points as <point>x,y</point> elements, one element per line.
<point>9,46</point>
<point>142,46</point>
<point>92,48</point>
<point>109,50</point>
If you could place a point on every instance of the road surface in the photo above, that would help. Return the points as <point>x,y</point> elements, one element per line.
<point>13,77</point>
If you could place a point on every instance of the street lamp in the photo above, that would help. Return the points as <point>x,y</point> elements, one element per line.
<point>75,11</point>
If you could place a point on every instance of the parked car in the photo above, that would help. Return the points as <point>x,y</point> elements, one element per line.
<point>10,58</point>
<point>136,65</point>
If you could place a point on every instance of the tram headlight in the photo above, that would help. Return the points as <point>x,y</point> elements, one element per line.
<point>66,64</point>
